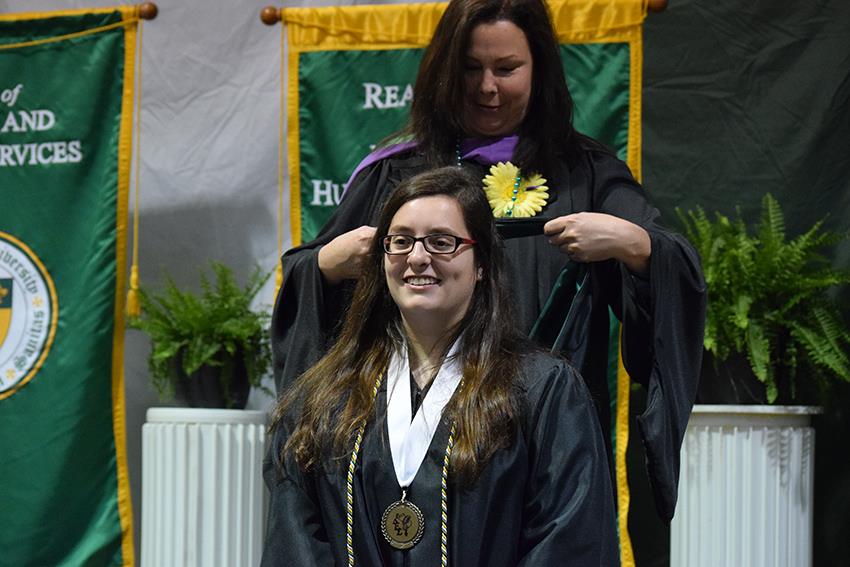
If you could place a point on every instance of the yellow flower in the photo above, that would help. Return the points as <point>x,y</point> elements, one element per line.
<point>529,199</point>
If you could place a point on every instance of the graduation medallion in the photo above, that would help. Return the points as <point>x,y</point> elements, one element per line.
<point>403,523</point>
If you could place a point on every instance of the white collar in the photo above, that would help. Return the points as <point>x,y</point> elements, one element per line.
<point>410,438</point>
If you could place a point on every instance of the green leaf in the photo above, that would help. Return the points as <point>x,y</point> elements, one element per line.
<point>742,311</point>
<point>758,351</point>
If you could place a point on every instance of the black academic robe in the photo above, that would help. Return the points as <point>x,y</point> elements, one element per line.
<point>662,313</point>
<point>544,500</point>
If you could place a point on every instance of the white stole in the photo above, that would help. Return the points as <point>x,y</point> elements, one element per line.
<point>410,439</point>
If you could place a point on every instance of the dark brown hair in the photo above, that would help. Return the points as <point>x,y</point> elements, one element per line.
<point>336,394</point>
<point>436,116</point>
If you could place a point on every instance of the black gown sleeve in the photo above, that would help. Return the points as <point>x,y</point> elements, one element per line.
<point>663,317</point>
<point>568,515</point>
<point>295,530</point>
<point>678,304</point>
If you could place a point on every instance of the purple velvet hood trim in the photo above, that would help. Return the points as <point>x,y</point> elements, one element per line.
<point>486,151</point>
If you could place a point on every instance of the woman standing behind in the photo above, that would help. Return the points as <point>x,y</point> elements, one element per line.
<point>491,90</point>
<point>430,433</point>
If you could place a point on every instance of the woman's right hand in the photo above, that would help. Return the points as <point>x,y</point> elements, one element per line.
<point>343,257</point>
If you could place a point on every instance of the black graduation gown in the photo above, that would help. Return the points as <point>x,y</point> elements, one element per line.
<point>662,314</point>
<point>545,500</point>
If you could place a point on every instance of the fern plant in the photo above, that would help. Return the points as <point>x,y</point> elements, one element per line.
<point>189,330</point>
<point>768,298</point>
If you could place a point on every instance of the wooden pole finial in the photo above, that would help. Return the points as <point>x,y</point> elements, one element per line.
<point>270,15</point>
<point>656,5</point>
<point>148,11</point>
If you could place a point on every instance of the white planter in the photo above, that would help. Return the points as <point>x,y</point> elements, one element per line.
<point>746,488</point>
<point>203,498</point>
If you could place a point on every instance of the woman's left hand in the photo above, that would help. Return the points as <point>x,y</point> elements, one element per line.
<point>594,237</point>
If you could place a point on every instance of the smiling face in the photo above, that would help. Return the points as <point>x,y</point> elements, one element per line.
<point>431,290</point>
<point>497,79</point>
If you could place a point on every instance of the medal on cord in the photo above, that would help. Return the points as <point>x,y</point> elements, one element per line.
<point>452,367</point>
<point>403,523</point>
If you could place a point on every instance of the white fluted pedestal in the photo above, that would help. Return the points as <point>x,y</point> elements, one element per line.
<point>203,497</point>
<point>746,488</point>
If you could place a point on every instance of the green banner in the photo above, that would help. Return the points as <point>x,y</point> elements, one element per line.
<point>350,100</point>
<point>64,498</point>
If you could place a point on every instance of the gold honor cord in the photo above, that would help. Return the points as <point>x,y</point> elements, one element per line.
<point>444,499</point>
<point>349,481</point>
<point>444,493</point>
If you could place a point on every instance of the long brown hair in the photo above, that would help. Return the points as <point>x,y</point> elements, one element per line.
<point>335,395</point>
<point>436,114</point>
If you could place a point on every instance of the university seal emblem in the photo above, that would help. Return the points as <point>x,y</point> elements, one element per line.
<point>28,314</point>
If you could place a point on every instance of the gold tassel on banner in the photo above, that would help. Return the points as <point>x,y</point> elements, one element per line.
<point>134,309</point>
<point>270,16</point>
<point>147,11</point>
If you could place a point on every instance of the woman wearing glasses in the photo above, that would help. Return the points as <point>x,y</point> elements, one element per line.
<point>430,433</point>
<point>491,98</point>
